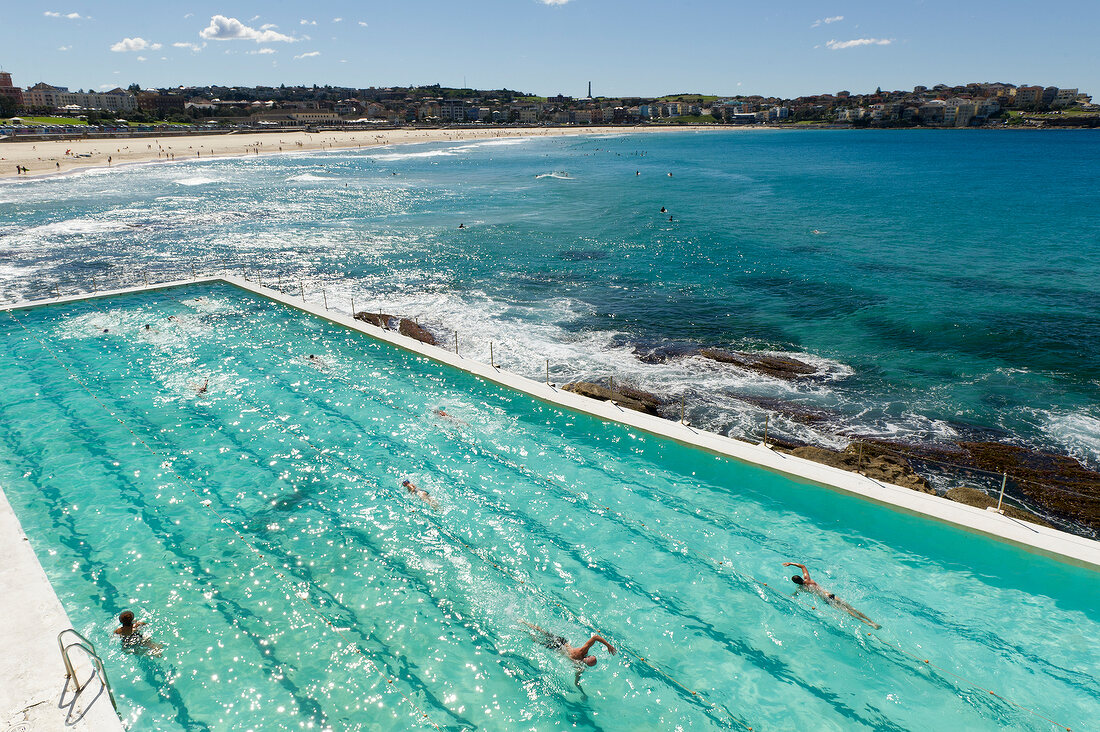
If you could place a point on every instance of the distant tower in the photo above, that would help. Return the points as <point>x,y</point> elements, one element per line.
<point>590,90</point>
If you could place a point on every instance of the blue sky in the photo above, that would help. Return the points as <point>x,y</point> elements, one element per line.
<point>645,47</point>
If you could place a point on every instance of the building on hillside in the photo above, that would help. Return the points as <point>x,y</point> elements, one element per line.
<point>959,112</point>
<point>295,117</point>
<point>7,89</point>
<point>1028,96</point>
<point>528,114</point>
<point>46,96</point>
<point>160,104</point>
<point>1064,98</point>
<point>452,110</point>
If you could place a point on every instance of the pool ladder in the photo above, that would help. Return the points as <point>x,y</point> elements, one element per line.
<point>70,673</point>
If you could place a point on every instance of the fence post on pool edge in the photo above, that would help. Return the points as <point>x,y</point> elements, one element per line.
<point>145,276</point>
<point>548,372</point>
<point>859,460</point>
<point>93,284</point>
<point>352,307</point>
<point>259,280</point>
<point>193,276</point>
<point>765,430</point>
<point>681,409</point>
<point>611,388</point>
<point>324,297</point>
<point>57,290</point>
<point>456,342</point>
<point>491,362</point>
<point>1004,481</point>
<point>302,287</point>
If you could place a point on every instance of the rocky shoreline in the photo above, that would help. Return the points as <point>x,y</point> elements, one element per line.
<point>1057,486</point>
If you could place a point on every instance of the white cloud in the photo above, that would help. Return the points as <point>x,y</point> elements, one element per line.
<point>838,45</point>
<point>363,23</point>
<point>193,46</point>
<point>141,58</point>
<point>188,15</point>
<point>268,26</point>
<point>261,52</point>
<point>70,16</point>
<point>64,48</point>
<point>827,21</point>
<point>337,20</point>
<point>222,28</point>
<point>310,54</point>
<point>303,21</point>
<point>134,44</point>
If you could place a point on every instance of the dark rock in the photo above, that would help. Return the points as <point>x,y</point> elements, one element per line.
<point>664,352</point>
<point>974,497</point>
<point>875,464</point>
<point>413,330</point>
<point>781,367</point>
<point>1056,483</point>
<point>636,399</point>
<point>378,319</point>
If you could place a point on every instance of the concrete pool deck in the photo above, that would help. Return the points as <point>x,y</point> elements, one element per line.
<point>32,697</point>
<point>31,668</point>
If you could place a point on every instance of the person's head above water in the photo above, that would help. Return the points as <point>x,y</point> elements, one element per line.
<point>590,660</point>
<point>797,579</point>
<point>126,618</point>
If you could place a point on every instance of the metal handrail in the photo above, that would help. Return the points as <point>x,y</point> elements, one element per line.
<point>70,673</point>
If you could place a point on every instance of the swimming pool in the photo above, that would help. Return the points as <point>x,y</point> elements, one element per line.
<point>261,526</point>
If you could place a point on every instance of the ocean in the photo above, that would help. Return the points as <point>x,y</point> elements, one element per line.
<point>942,283</point>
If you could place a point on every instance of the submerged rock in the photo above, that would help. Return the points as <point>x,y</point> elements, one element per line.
<point>781,367</point>
<point>624,396</point>
<point>413,330</point>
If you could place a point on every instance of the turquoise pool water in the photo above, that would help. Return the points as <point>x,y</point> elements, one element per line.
<point>260,526</point>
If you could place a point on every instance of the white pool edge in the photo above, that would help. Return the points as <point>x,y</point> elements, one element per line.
<point>31,670</point>
<point>1032,537</point>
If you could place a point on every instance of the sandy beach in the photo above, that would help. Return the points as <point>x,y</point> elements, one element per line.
<point>58,157</point>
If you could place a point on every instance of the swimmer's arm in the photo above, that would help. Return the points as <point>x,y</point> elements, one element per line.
<point>140,623</point>
<point>805,572</point>
<point>597,639</point>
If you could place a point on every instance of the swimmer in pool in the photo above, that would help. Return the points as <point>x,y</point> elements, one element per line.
<point>806,583</point>
<point>204,388</point>
<point>132,638</point>
<point>579,655</point>
<point>419,493</point>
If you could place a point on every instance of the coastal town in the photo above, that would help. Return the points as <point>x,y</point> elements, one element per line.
<point>42,106</point>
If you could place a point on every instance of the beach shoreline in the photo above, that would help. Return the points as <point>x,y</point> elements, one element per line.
<point>51,158</point>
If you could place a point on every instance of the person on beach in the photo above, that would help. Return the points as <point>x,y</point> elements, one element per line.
<point>577,654</point>
<point>806,583</point>
<point>134,639</point>
<point>419,493</point>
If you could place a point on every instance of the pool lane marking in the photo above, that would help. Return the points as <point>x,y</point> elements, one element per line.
<point>764,586</point>
<point>668,537</point>
<point>293,593</point>
<point>481,554</point>
<point>484,556</point>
